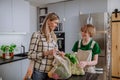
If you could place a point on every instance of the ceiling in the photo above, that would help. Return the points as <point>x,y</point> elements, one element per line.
<point>44,2</point>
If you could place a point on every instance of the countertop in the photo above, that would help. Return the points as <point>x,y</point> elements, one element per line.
<point>87,76</point>
<point>15,58</point>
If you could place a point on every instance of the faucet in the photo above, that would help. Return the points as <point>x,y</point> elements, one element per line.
<point>23,49</point>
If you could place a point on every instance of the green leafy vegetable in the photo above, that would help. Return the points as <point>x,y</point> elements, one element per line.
<point>12,47</point>
<point>9,48</point>
<point>72,57</point>
<point>4,48</point>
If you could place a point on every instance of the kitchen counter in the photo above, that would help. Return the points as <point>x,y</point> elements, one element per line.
<point>15,58</point>
<point>87,76</point>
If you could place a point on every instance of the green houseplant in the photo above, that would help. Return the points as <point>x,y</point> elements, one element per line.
<point>11,50</point>
<point>8,51</point>
<point>4,49</point>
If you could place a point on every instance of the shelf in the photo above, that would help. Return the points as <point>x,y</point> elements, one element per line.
<point>41,14</point>
<point>13,33</point>
<point>59,32</point>
<point>60,38</point>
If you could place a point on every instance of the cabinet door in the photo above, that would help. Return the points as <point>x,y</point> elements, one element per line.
<point>11,71</point>
<point>25,64</point>
<point>21,16</point>
<point>1,72</point>
<point>58,8</point>
<point>5,15</point>
<point>116,49</point>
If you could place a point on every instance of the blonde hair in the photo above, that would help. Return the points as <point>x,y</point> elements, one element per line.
<point>45,28</point>
<point>89,28</point>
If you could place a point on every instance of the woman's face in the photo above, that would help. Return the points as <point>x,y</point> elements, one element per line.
<point>53,24</point>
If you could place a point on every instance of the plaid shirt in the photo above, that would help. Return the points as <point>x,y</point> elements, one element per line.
<point>39,44</point>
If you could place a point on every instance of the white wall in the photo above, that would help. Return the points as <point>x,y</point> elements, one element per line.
<point>113,4</point>
<point>22,39</point>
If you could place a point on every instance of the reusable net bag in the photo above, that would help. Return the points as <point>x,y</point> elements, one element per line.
<point>61,68</point>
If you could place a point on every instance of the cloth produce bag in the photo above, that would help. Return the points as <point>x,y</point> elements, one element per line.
<point>61,68</point>
<point>75,69</point>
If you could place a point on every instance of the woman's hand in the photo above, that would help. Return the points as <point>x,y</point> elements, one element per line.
<point>62,53</point>
<point>50,52</point>
<point>83,64</point>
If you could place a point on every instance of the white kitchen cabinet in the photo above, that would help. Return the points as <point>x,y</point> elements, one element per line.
<point>25,64</point>
<point>11,71</point>
<point>14,16</point>
<point>59,9</point>
<point>1,72</point>
<point>14,70</point>
<point>5,15</point>
<point>21,16</point>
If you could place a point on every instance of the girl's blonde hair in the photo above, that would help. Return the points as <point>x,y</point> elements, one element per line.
<point>89,28</point>
<point>45,28</point>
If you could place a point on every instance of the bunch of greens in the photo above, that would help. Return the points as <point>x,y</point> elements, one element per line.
<point>12,48</point>
<point>72,57</point>
<point>4,48</point>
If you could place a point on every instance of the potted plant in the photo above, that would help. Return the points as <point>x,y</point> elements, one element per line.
<point>11,50</point>
<point>4,49</point>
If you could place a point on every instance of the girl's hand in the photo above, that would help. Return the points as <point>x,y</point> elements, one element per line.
<point>83,64</point>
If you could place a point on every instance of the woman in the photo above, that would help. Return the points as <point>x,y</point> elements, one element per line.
<point>87,32</point>
<point>43,46</point>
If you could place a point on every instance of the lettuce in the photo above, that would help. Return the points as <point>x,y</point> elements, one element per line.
<point>72,57</point>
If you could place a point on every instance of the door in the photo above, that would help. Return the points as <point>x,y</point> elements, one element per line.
<point>115,50</point>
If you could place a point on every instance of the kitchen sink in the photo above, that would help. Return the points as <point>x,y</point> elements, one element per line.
<point>21,55</point>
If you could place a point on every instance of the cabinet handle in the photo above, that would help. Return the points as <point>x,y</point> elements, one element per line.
<point>116,46</point>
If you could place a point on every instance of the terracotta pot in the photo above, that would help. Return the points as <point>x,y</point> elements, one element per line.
<point>3,55</point>
<point>11,55</point>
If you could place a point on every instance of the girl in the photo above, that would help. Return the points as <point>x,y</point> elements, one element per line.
<point>87,32</point>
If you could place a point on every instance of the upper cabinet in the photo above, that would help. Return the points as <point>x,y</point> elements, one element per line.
<point>14,16</point>
<point>21,16</point>
<point>5,15</point>
<point>58,8</point>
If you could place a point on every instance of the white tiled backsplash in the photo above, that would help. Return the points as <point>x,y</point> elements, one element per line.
<point>16,39</point>
<point>18,49</point>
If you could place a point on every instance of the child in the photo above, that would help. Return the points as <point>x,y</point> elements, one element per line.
<point>87,43</point>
